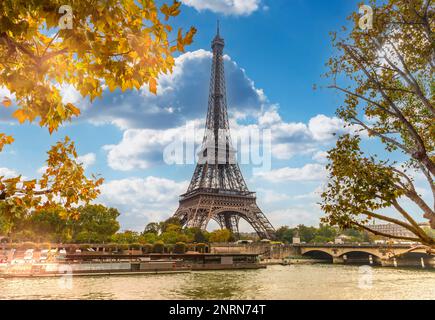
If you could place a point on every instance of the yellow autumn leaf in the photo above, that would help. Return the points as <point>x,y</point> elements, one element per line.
<point>4,140</point>
<point>188,39</point>
<point>153,85</point>
<point>9,140</point>
<point>180,45</point>
<point>7,102</point>
<point>112,85</point>
<point>20,115</point>
<point>75,111</point>
<point>60,110</point>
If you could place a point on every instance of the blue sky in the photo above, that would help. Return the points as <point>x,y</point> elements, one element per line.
<point>276,50</point>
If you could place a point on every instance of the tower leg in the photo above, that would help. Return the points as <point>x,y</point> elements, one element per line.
<point>232,224</point>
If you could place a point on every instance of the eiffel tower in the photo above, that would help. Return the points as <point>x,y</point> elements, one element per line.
<point>217,190</point>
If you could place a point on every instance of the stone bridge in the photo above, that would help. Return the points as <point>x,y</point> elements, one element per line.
<point>385,255</point>
<point>380,254</point>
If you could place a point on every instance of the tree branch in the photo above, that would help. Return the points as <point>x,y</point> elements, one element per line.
<point>421,153</point>
<point>382,136</point>
<point>419,231</point>
<point>388,219</point>
<point>363,98</point>
<point>407,75</point>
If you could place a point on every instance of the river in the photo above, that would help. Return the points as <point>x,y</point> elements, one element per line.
<point>320,281</point>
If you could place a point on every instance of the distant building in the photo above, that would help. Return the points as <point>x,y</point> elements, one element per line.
<point>342,239</point>
<point>392,229</point>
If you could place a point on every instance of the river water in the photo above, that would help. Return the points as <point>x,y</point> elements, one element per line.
<point>320,281</point>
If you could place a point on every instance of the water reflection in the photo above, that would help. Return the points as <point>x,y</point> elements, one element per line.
<point>275,282</point>
<point>220,285</point>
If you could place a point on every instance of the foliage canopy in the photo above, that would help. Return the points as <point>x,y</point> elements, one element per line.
<point>389,97</point>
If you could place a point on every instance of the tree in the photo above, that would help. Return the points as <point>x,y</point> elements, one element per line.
<point>173,235</point>
<point>321,239</point>
<point>357,235</point>
<point>170,222</point>
<point>94,223</point>
<point>327,232</point>
<point>306,234</point>
<point>148,238</point>
<point>127,236</point>
<point>119,44</point>
<point>97,222</point>
<point>222,235</point>
<point>86,236</point>
<point>5,226</point>
<point>49,225</point>
<point>152,227</point>
<point>285,234</point>
<point>200,236</point>
<point>64,182</point>
<point>389,96</point>
<point>173,228</point>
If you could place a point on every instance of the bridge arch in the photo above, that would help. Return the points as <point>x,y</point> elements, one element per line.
<point>318,254</point>
<point>360,257</point>
<point>415,258</point>
<point>350,255</point>
<point>360,253</point>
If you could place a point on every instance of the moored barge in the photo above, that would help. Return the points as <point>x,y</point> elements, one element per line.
<point>92,264</point>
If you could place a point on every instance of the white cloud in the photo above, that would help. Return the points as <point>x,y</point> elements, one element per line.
<point>269,118</point>
<point>320,128</point>
<point>6,113</point>
<point>308,214</point>
<point>297,138</point>
<point>8,173</point>
<point>141,200</point>
<point>138,148</point>
<point>286,151</point>
<point>311,196</point>
<point>70,94</point>
<point>320,157</point>
<point>4,92</point>
<point>309,172</point>
<point>42,170</point>
<point>87,160</point>
<point>182,96</point>
<point>227,7</point>
<point>272,196</point>
<point>323,128</point>
<point>142,148</point>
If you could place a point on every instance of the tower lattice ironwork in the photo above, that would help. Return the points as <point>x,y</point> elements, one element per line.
<point>218,190</point>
